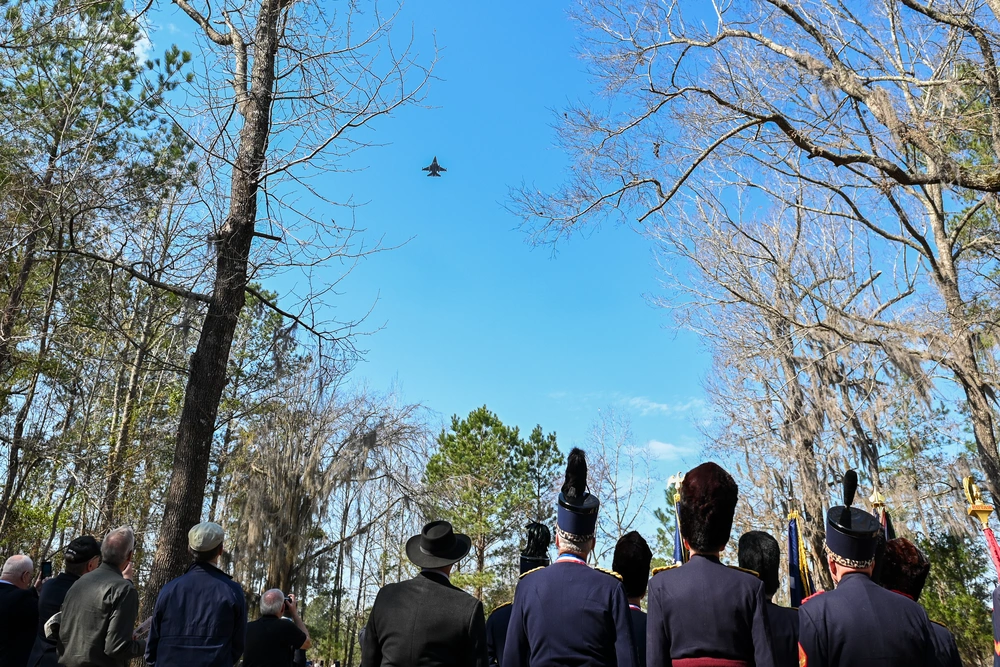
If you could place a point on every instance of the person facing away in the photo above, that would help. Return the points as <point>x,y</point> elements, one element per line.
<point>81,556</point>
<point>273,639</point>
<point>703,612</point>
<point>760,553</point>
<point>200,618</point>
<point>18,611</point>
<point>859,622</point>
<point>100,610</point>
<point>534,557</point>
<point>632,560</point>
<point>426,621</point>
<point>904,571</point>
<point>568,613</point>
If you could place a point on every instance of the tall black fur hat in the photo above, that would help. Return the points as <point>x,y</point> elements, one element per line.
<point>904,567</point>
<point>577,511</point>
<point>707,505</point>
<point>631,561</point>
<point>759,551</point>
<point>536,551</point>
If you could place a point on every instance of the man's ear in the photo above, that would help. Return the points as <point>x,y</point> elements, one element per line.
<point>832,564</point>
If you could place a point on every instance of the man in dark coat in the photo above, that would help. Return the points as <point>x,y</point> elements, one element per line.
<point>425,621</point>
<point>904,571</point>
<point>534,557</point>
<point>568,613</point>
<point>632,560</point>
<point>760,553</point>
<point>705,613</point>
<point>83,555</point>
<point>18,611</point>
<point>859,622</point>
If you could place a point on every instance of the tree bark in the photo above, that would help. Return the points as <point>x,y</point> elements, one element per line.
<point>207,379</point>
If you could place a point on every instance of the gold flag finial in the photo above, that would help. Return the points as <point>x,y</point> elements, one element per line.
<point>977,507</point>
<point>675,481</point>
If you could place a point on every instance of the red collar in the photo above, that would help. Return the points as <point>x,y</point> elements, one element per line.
<point>570,558</point>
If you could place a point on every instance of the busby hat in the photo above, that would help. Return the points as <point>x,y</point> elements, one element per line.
<point>851,532</point>
<point>759,551</point>
<point>577,511</point>
<point>631,561</point>
<point>905,567</point>
<point>536,551</point>
<point>707,505</point>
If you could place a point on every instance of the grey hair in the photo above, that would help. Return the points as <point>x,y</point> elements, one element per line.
<point>117,546</point>
<point>271,602</point>
<point>16,566</point>
<point>574,544</point>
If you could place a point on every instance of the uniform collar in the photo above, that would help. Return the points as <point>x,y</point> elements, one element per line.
<point>436,573</point>
<point>570,558</point>
<point>634,606</point>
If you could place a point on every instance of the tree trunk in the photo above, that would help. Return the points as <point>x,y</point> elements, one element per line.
<point>186,491</point>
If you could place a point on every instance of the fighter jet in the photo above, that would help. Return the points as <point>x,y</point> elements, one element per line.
<point>434,168</point>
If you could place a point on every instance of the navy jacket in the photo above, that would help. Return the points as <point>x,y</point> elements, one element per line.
<point>200,620</point>
<point>49,603</point>
<point>18,621</point>
<point>496,633</point>
<point>784,634</point>
<point>996,627</point>
<point>639,633</point>
<point>861,623</point>
<point>704,609</point>
<point>569,614</point>
<point>944,646</point>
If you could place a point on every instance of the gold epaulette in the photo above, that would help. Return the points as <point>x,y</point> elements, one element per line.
<point>525,574</point>
<point>657,570</point>
<point>941,624</point>
<point>611,572</point>
<point>499,607</point>
<point>743,569</point>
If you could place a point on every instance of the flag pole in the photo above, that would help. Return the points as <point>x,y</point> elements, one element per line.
<point>979,509</point>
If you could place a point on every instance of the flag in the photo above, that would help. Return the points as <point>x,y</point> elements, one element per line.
<point>800,584</point>
<point>678,542</point>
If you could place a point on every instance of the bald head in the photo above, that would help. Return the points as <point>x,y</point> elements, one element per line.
<point>17,570</point>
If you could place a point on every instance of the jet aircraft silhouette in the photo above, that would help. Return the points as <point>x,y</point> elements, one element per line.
<point>434,168</point>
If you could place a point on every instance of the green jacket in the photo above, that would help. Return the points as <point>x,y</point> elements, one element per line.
<point>98,619</point>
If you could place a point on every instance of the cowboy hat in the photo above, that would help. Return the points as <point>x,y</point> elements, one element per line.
<point>437,545</point>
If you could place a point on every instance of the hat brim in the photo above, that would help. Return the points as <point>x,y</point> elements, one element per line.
<point>463,543</point>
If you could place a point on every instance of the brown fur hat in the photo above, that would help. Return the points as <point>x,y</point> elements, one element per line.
<point>904,568</point>
<point>707,506</point>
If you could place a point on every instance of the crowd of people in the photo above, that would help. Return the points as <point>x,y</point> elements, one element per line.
<point>700,613</point>
<point>88,616</point>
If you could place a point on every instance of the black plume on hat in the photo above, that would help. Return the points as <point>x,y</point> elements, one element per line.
<point>850,487</point>
<point>575,486</point>
<point>539,538</point>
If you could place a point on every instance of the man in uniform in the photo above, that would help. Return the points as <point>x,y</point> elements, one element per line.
<point>760,553</point>
<point>426,620</point>
<point>535,556</point>
<point>860,623</point>
<point>703,613</point>
<point>904,571</point>
<point>631,561</point>
<point>568,613</point>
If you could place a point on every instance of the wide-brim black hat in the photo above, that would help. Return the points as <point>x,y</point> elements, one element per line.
<point>437,545</point>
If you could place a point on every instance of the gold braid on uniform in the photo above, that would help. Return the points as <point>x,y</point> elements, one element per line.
<point>848,562</point>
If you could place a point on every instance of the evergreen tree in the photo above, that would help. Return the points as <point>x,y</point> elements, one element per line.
<point>540,463</point>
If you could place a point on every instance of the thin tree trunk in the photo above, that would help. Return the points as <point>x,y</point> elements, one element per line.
<point>206,381</point>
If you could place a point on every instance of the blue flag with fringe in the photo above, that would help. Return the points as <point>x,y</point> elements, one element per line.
<point>800,584</point>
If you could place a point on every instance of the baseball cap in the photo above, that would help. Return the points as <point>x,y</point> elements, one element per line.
<point>205,536</point>
<point>82,549</point>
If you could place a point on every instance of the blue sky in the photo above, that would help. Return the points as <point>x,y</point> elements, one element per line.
<point>472,314</point>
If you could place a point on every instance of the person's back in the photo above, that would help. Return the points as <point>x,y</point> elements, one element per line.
<point>784,622</point>
<point>759,552</point>
<point>424,621</point>
<point>496,633</point>
<point>100,610</point>
<point>18,611</point>
<point>199,619</point>
<point>276,640</point>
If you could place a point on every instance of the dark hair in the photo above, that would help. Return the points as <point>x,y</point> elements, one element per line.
<point>759,551</point>
<point>631,561</point>
<point>707,506</point>
<point>905,568</point>
<point>205,556</point>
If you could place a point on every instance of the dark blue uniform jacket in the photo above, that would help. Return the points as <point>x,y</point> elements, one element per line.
<point>569,614</point>
<point>496,633</point>
<point>639,633</point>
<point>944,646</point>
<point>704,609</point>
<point>784,634</point>
<point>861,623</point>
